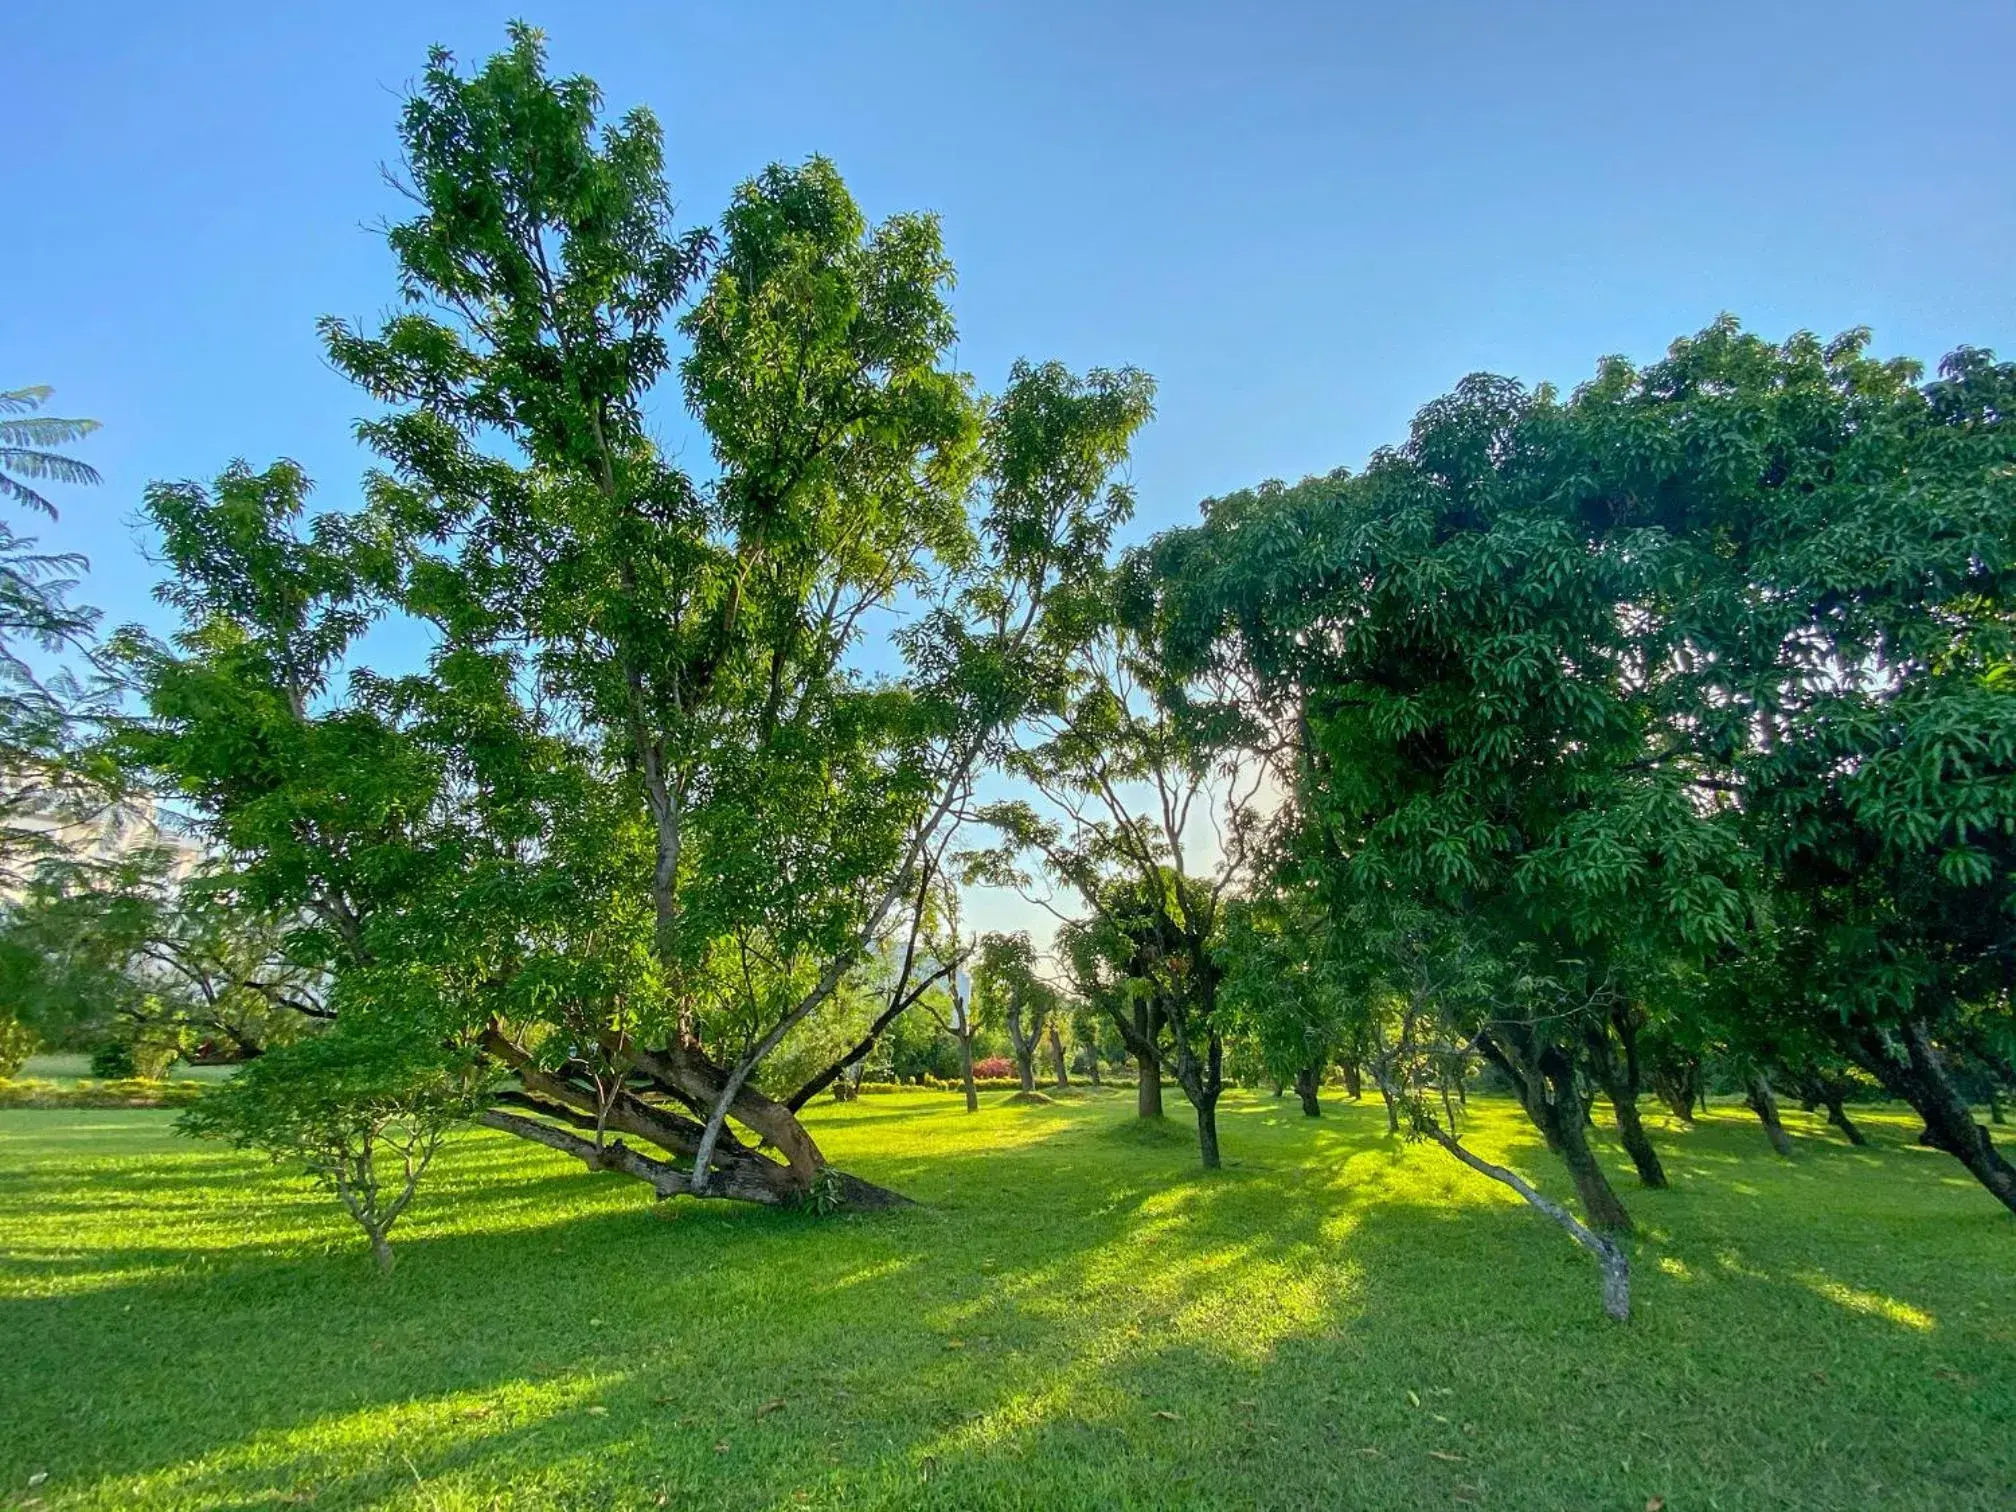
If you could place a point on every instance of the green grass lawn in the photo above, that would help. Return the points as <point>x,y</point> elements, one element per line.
<point>1074,1316</point>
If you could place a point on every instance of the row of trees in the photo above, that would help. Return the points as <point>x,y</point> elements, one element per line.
<point>1578,741</point>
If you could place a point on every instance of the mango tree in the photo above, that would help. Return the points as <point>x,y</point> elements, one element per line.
<point>644,809</point>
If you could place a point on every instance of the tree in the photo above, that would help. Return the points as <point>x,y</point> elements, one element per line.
<point>1010,993</point>
<point>57,794</point>
<point>1124,759</point>
<point>1470,722</point>
<point>363,1115</point>
<point>58,797</point>
<point>1838,600</point>
<point>642,815</point>
<point>952,949</point>
<point>1284,990</point>
<point>27,449</point>
<point>1105,970</point>
<point>150,950</point>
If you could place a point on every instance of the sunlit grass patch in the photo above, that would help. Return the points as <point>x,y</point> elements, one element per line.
<point>1074,1316</point>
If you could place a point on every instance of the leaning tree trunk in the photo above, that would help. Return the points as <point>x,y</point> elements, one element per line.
<point>1765,1105</point>
<point>1305,1088</point>
<point>1392,1112</point>
<point>1919,1079</point>
<point>1621,1088</point>
<point>1600,1201</point>
<point>1837,1115</point>
<point>1819,1090</point>
<point>1611,1261</point>
<point>1057,1055</point>
<point>1637,1144</point>
<point>1544,1076</point>
<point>1678,1087</point>
<point>576,1118</point>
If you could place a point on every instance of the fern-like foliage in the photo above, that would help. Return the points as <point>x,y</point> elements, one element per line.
<point>26,442</point>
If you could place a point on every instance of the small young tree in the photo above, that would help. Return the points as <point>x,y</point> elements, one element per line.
<point>362,1115</point>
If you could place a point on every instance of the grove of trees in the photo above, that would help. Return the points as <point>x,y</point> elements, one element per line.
<point>1626,744</point>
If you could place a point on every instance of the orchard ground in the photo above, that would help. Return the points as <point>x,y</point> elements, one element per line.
<point>1073,1316</point>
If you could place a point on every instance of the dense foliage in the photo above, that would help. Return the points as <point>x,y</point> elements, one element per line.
<point>643,815</point>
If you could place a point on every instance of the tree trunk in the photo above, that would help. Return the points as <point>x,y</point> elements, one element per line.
<point>1201,1083</point>
<point>1057,1055</point>
<point>966,1072</point>
<point>1837,1115</point>
<point>1817,1089</point>
<point>1305,1088</point>
<point>1611,1261</point>
<point>1607,1213</point>
<point>681,1071</point>
<point>1544,1076</point>
<point>1092,1066</point>
<point>1638,1145</point>
<point>1619,1086</point>
<point>1354,1088</point>
<point>1765,1105</point>
<point>1148,1092</point>
<point>1392,1112</point>
<point>1921,1080</point>
<point>381,1251</point>
<point>739,1172</point>
<point>1207,1132</point>
<point>1678,1087</point>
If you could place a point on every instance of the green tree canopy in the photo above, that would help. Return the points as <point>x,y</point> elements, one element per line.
<point>643,812</point>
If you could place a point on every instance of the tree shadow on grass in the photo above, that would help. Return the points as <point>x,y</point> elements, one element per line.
<point>1075,1316</point>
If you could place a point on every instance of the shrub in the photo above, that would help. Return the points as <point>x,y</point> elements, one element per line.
<point>937,1084</point>
<point>995,1067</point>
<point>17,1043</point>
<point>114,1058</point>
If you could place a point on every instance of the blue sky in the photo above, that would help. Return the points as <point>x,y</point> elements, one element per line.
<point>1305,220</point>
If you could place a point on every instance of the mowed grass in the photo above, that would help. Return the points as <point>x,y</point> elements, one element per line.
<point>1074,1316</point>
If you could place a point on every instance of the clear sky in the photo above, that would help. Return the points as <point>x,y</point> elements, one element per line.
<point>1305,220</point>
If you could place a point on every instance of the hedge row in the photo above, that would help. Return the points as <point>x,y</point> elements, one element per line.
<point>126,1092</point>
<point>983,1083</point>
